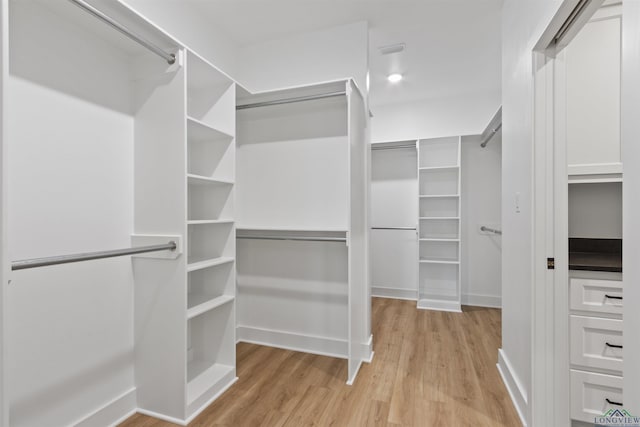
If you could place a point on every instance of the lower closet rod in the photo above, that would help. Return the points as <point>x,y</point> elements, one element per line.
<point>88,256</point>
<point>307,239</point>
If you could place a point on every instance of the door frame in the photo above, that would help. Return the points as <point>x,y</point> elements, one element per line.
<point>550,312</point>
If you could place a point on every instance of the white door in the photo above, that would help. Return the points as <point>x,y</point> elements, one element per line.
<point>394,242</point>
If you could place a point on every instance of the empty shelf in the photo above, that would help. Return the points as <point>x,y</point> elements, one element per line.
<point>439,196</point>
<point>210,221</point>
<point>200,378</point>
<point>435,239</point>
<point>433,168</point>
<point>438,217</point>
<point>200,131</point>
<point>199,265</point>
<point>201,303</point>
<point>203,180</point>
<point>438,261</point>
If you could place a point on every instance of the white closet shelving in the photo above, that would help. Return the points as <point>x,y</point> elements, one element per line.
<point>439,223</point>
<point>301,209</point>
<point>186,313</point>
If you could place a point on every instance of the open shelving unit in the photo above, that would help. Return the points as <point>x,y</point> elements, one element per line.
<point>210,242</point>
<point>439,214</point>
<point>186,338</point>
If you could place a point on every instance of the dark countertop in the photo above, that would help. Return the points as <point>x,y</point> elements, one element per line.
<point>595,254</point>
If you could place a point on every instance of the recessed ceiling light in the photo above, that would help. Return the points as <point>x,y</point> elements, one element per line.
<point>394,78</point>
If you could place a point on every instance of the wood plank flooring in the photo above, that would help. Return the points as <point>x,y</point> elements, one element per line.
<point>430,369</point>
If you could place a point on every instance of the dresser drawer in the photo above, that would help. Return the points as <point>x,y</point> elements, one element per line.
<point>591,394</point>
<point>595,295</point>
<point>594,342</point>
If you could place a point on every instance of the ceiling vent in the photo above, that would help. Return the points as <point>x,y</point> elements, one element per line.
<point>392,48</point>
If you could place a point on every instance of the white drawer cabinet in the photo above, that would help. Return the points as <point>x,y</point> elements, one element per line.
<point>596,343</point>
<point>595,295</point>
<point>594,394</point>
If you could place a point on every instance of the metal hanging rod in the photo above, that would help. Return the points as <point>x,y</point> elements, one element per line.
<point>291,100</point>
<point>392,147</point>
<point>494,126</point>
<point>491,230</point>
<point>393,228</point>
<point>88,256</point>
<point>296,238</point>
<point>169,57</point>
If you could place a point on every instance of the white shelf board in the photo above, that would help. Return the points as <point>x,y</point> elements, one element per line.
<point>438,261</point>
<point>437,168</point>
<point>203,180</point>
<point>427,239</point>
<point>199,265</point>
<point>200,378</point>
<point>302,229</point>
<point>198,130</point>
<point>439,217</point>
<point>209,221</point>
<point>439,196</point>
<point>201,303</point>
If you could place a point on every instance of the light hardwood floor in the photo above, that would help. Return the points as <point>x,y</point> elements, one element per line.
<point>430,369</point>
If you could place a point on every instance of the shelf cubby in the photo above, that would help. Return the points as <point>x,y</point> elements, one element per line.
<point>209,202</point>
<point>210,152</point>
<point>210,350</point>
<point>440,229</point>
<point>439,181</point>
<point>439,153</point>
<point>210,241</point>
<point>209,94</point>
<point>438,207</point>
<point>439,281</point>
<point>209,287</point>
<point>439,250</point>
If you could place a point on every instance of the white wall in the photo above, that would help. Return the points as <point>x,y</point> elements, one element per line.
<point>523,25</point>
<point>191,28</point>
<point>432,118</point>
<point>332,54</point>
<point>481,205</point>
<point>70,335</point>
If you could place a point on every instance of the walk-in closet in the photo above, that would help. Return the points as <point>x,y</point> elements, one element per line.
<point>328,213</point>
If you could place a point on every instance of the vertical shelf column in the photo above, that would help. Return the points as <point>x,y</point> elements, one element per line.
<point>439,263</point>
<point>210,238</point>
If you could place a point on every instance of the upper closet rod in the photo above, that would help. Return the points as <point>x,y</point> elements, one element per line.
<point>88,256</point>
<point>169,57</point>
<point>291,100</point>
<point>494,126</point>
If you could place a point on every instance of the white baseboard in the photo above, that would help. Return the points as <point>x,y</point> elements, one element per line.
<point>431,304</point>
<point>162,417</point>
<point>396,293</point>
<point>513,385</point>
<point>491,301</point>
<point>367,350</point>
<point>206,404</point>
<point>112,413</point>
<point>323,346</point>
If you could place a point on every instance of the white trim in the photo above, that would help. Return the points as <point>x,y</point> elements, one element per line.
<point>439,305</point>
<point>351,380</point>
<point>210,401</point>
<point>111,413</point>
<point>322,346</point>
<point>514,387</point>
<point>475,300</point>
<point>395,293</point>
<point>367,350</point>
<point>161,417</point>
<point>595,169</point>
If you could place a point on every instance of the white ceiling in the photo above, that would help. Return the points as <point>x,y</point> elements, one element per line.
<point>452,46</point>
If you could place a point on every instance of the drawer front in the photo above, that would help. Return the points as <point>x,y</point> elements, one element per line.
<point>589,394</point>
<point>594,342</point>
<point>595,295</point>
